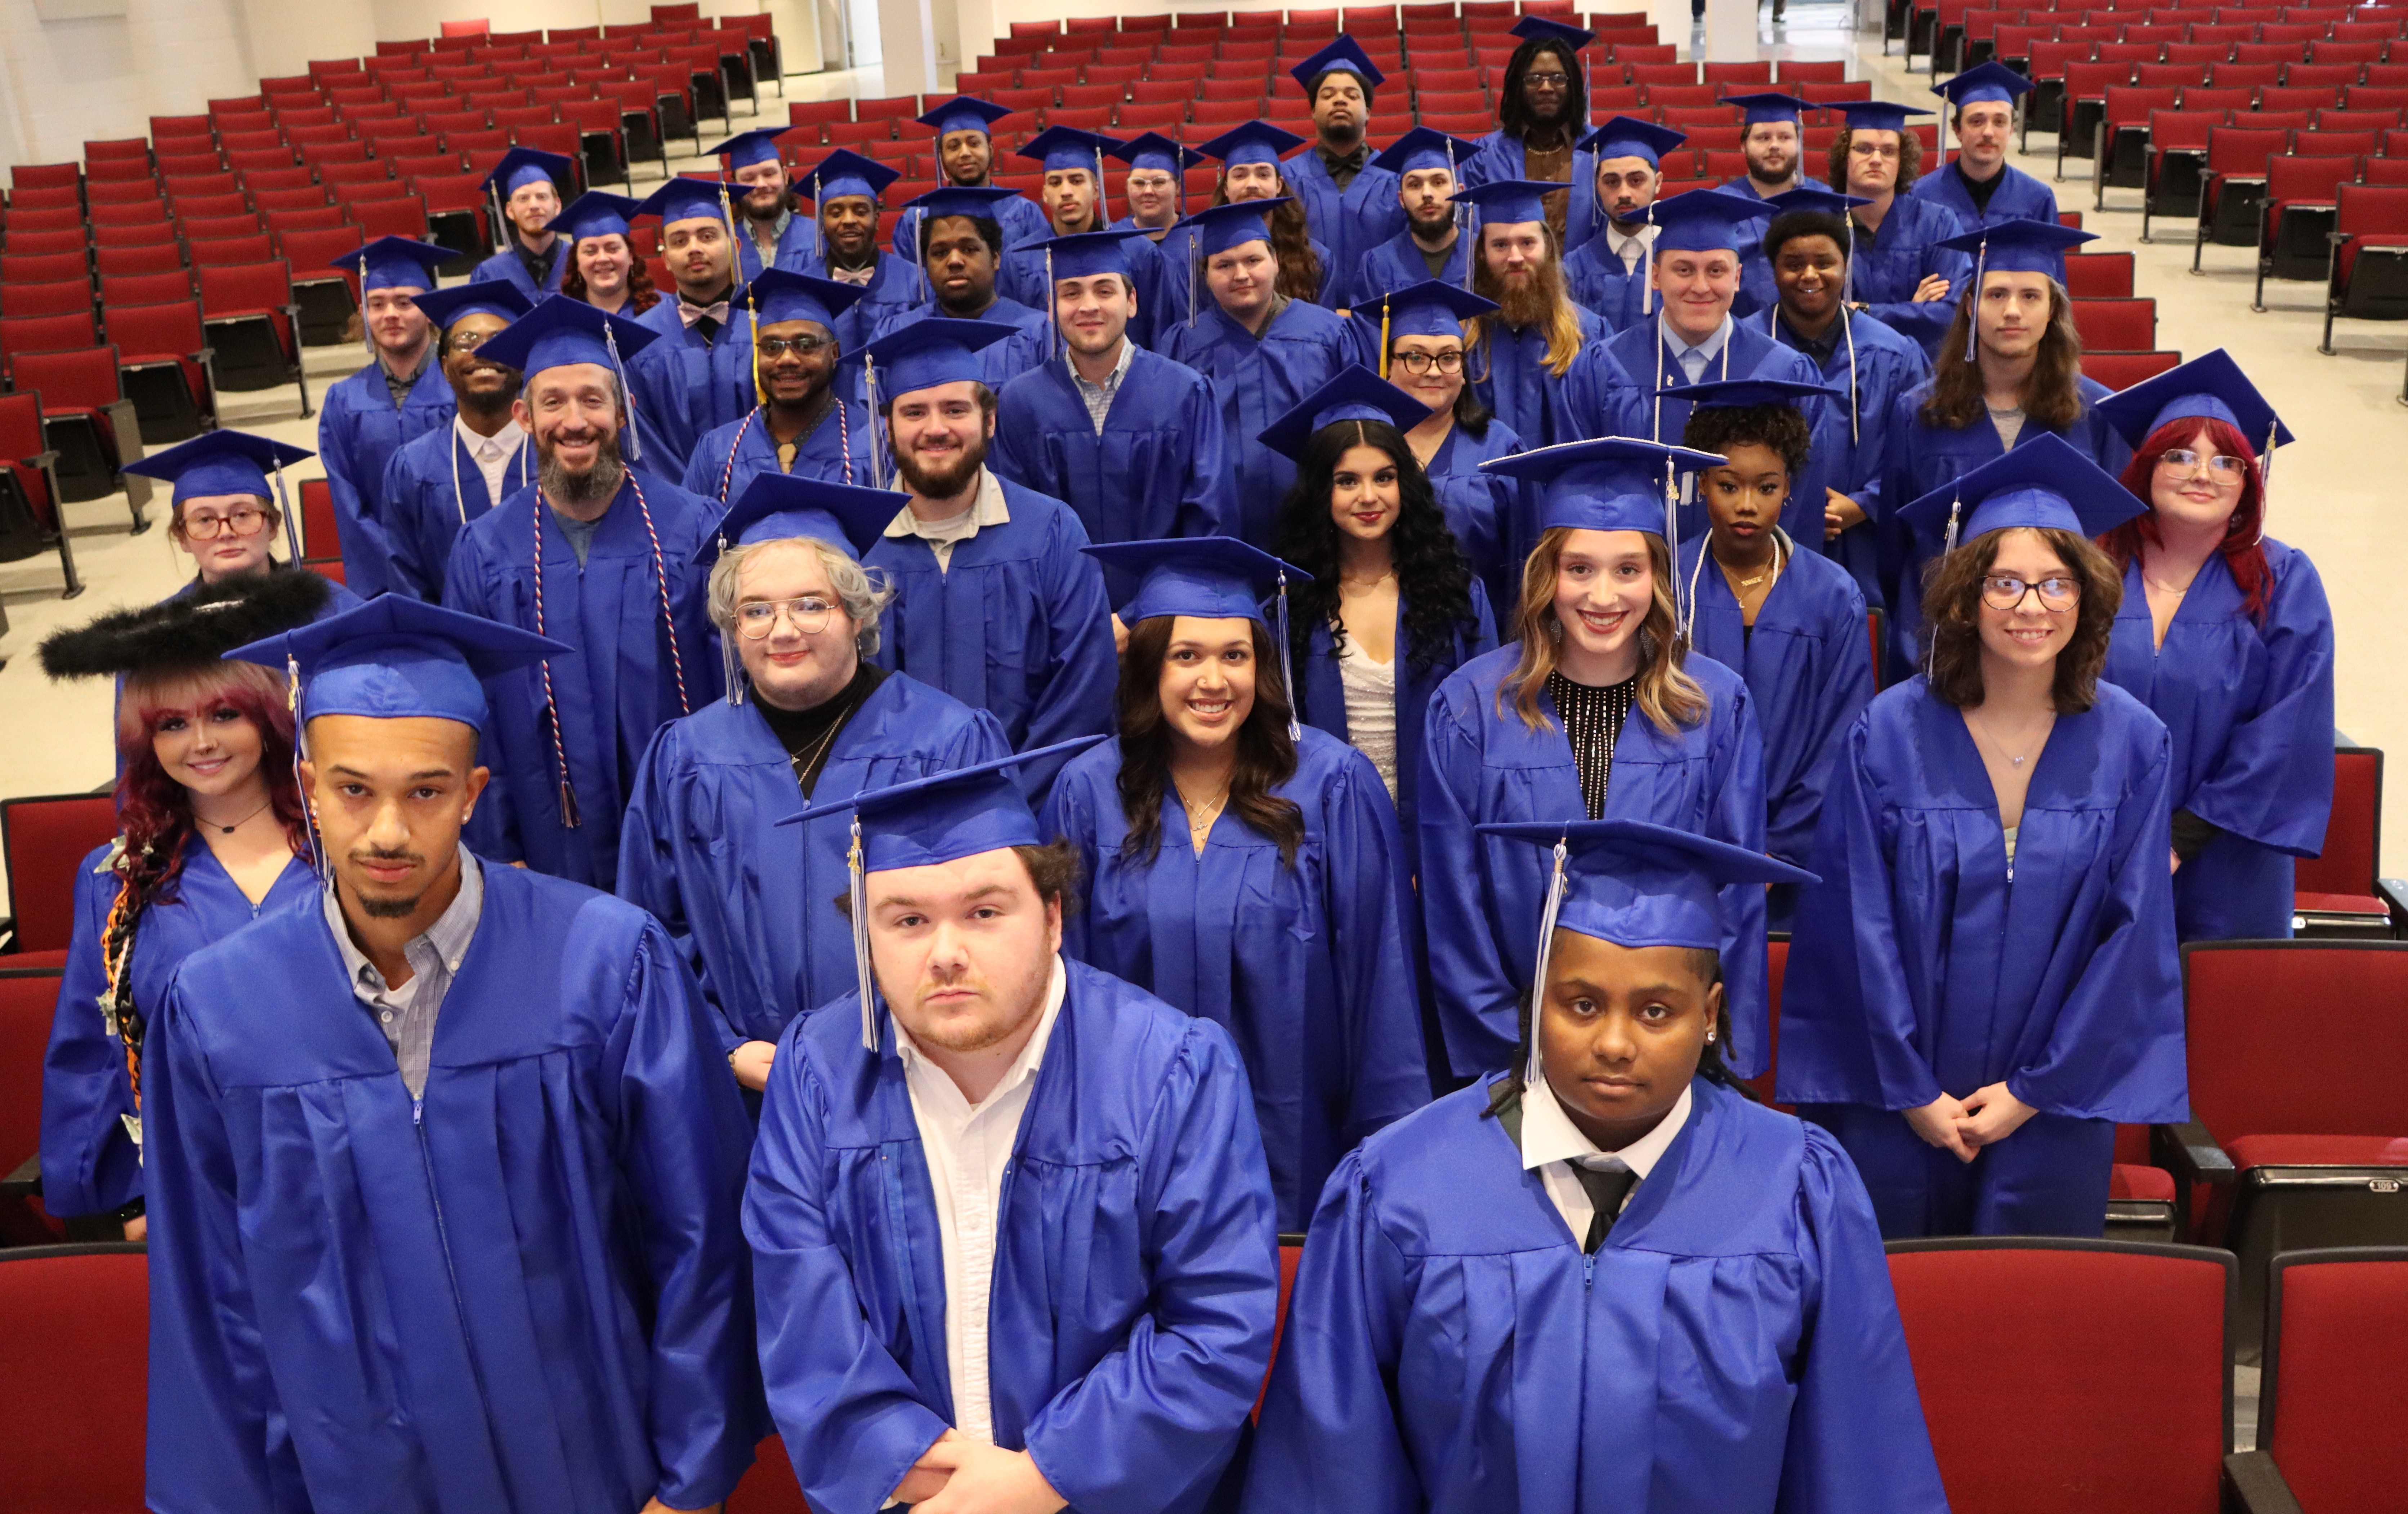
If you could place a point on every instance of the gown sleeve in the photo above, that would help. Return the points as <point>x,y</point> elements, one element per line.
<point>361,567</point>
<point>216,1445</point>
<point>1328,1441</point>
<point>89,1164</point>
<point>1082,669</point>
<point>1069,816</point>
<point>682,1138</point>
<point>650,876</point>
<point>1477,1010</point>
<point>1597,397</point>
<point>1014,450</point>
<point>1847,687</point>
<point>1205,509</point>
<point>1371,926</point>
<point>2273,782</point>
<point>492,830</point>
<point>1737,774</point>
<point>853,1421</point>
<point>1857,1442</point>
<point>1164,1412</point>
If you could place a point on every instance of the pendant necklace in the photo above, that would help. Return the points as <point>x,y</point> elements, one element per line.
<point>228,830</point>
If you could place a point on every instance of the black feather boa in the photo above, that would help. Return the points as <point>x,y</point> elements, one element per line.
<point>189,631</point>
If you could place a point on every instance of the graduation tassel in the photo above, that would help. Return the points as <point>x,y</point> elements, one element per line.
<point>1195,252</point>
<point>627,394</point>
<point>1287,677</point>
<point>570,818</point>
<point>1647,255</point>
<point>857,895</point>
<point>2266,478</point>
<point>1535,1072</point>
<point>731,667</point>
<point>292,526</point>
<point>1672,542</point>
<point>1054,343</point>
<point>301,755</point>
<point>752,316</point>
<point>869,387</point>
<point>1973,315</point>
<point>1383,335</point>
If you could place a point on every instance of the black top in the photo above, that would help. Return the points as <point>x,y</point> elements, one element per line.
<point>1592,718</point>
<point>538,265</point>
<point>809,735</point>
<point>1980,189</point>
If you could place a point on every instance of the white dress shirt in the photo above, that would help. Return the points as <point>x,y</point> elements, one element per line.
<point>1553,1144</point>
<point>492,454</point>
<point>1692,360</point>
<point>1631,248</point>
<point>968,1150</point>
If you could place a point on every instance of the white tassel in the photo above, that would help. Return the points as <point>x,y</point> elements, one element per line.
<point>1535,1073</point>
<point>857,894</point>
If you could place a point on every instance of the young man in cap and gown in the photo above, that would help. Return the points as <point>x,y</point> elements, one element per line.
<point>806,424</point>
<point>769,232</point>
<point>697,376</point>
<point>401,395</point>
<point>526,185</point>
<point>1349,198</point>
<point>439,482</point>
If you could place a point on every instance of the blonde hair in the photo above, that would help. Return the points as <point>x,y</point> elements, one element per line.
<point>1667,695</point>
<point>864,591</point>
<point>1564,339</point>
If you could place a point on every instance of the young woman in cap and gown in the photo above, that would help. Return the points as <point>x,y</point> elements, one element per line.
<point>604,268</point>
<point>1605,1279</point>
<point>1985,982</point>
<point>2226,636</point>
<point>1242,868</point>
<point>361,421</point>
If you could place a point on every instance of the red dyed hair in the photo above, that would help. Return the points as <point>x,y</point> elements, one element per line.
<point>153,810</point>
<point>2243,550</point>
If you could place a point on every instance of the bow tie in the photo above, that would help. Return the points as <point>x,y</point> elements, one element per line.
<point>689,314</point>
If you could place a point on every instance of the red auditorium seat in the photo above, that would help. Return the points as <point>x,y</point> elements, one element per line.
<point>2116,325</point>
<point>1291,1252</point>
<point>46,333</point>
<point>321,533</point>
<point>2233,186</point>
<point>80,399</point>
<point>2298,216</point>
<point>250,310</point>
<point>2338,893</point>
<point>162,368</point>
<point>2121,370</point>
<point>25,472</point>
<point>2370,272</point>
<point>2100,276</point>
<point>74,1373</point>
<point>42,839</point>
<point>2102,1387</point>
<point>2328,1434</point>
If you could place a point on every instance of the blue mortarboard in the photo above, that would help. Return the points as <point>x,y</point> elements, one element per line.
<point>927,822</point>
<point>1060,148</point>
<point>219,462</point>
<point>595,213</point>
<point>1209,577</point>
<point>1086,253</point>
<point>1429,309</point>
<point>965,113</point>
<point>1540,29</point>
<point>2044,484</point>
<point>1256,141</point>
<point>745,149</point>
<point>1612,483</point>
<point>985,200</point>
<point>845,172</point>
<point>775,507</point>
<point>1880,115</point>
<point>2212,387</point>
<point>1508,201</point>
<point>495,297</point>
<point>523,165</point>
<point>1354,393</point>
<point>1704,221</point>
<point>926,353</point>
<point>1991,81</point>
<point>1815,198</point>
<point>782,294</point>
<point>1768,106</point>
<point>1220,227</point>
<point>1345,56</point>
<point>1152,149</point>
<point>559,332</point>
<point>1741,394</point>
<point>684,199</point>
<point>2018,247</point>
<point>1628,137</point>
<point>395,262</point>
<point>397,657</point>
<point>1424,147</point>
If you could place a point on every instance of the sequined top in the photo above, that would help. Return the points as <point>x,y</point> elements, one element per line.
<point>1593,717</point>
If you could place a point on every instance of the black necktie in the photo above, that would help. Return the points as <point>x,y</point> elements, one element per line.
<point>1606,1188</point>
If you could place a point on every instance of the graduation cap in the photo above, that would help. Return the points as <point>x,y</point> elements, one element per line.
<point>845,172</point>
<point>982,201</point>
<point>1085,254</point>
<point>1209,577</point>
<point>1704,221</point>
<point>780,294</point>
<point>523,165</point>
<point>228,462</point>
<point>1540,29</point>
<point>2043,483</point>
<point>1992,83</point>
<point>189,631</point>
<point>1635,884</point>
<point>1628,137</point>
<point>685,199</point>
<point>1429,309</point>
<point>1152,149</point>
<point>1746,394</point>
<point>495,297</point>
<point>1880,115</point>
<point>1815,198</point>
<point>1343,56</point>
<point>560,332</point>
<point>1768,107</point>
<point>395,262</point>
<point>1424,147</point>
<point>1220,227</point>
<point>965,113</point>
<point>1061,147</point>
<point>1256,141</point>
<point>2014,246</point>
<point>776,507</point>
<point>1354,393</point>
<point>1509,201</point>
<point>397,657</point>
<point>927,822</point>
<point>1611,483</point>
<point>595,213</point>
<point>2207,388</point>
<point>745,149</point>
<point>922,355</point>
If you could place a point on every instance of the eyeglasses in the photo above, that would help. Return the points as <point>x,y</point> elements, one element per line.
<point>468,342</point>
<point>2005,591</point>
<point>773,348</point>
<point>209,528</point>
<point>1550,78</point>
<point>756,618</point>
<point>2223,469</point>
<point>1872,149</point>
<point>1450,361</point>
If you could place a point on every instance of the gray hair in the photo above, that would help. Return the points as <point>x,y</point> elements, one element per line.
<point>864,591</point>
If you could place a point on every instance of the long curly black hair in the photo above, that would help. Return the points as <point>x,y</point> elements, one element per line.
<point>1433,576</point>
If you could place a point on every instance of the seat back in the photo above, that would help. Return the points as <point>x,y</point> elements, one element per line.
<point>231,251</point>
<point>2353,832</point>
<point>2336,1327</point>
<point>43,838</point>
<point>42,269</point>
<point>45,332</point>
<point>320,533</point>
<point>2116,325</point>
<point>144,288</point>
<point>2121,370</point>
<point>2112,1353</point>
<point>2294,179</point>
<point>75,1322</point>
<point>2243,150</point>
<point>56,297</point>
<point>168,330</point>
<point>241,288</point>
<point>2255,1074</point>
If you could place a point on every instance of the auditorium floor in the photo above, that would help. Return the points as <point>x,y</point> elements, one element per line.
<point>55,738</point>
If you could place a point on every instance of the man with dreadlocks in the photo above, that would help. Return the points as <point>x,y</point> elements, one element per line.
<point>598,553</point>
<point>1542,113</point>
<point>1516,359</point>
<point>803,424</point>
<point>211,836</point>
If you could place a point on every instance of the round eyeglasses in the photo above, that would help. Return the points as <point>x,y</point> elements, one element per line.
<point>756,618</point>
<point>2005,591</point>
<point>1417,364</point>
<point>209,528</point>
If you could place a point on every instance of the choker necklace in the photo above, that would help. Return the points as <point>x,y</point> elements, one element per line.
<point>228,830</point>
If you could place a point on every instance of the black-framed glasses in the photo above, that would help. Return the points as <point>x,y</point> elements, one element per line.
<point>756,618</point>
<point>1417,364</point>
<point>240,523</point>
<point>2006,591</point>
<point>774,348</point>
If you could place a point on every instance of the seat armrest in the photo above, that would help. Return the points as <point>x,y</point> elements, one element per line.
<point>2394,891</point>
<point>2253,1484</point>
<point>2188,1152</point>
<point>26,1181</point>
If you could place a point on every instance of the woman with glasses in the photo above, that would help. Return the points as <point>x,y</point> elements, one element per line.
<point>2225,634</point>
<point>1985,981</point>
<point>226,516</point>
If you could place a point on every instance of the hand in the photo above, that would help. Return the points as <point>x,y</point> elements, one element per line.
<point>1933,287</point>
<point>751,1064</point>
<point>1120,637</point>
<point>986,1479</point>
<point>137,1227</point>
<point>926,1479</point>
<point>1938,1123</point>
<point>653,1506</point>
<point>2177,857</point>
<point>1991,1114</point>
<point>1840,512</point>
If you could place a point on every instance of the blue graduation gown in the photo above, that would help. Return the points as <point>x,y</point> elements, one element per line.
<point>1809,666</point>
<point>1309,967</point>
<point>749,902</point>
<point>1756,290</point>
<point>2250,712</point>
<point>1256,380</point>
<point>1893,261</point>
<point>731,457</point>
<point>1500,157</point>
<point>2022,198</point>
<point>1490,516</point>
<point>359,429</point>
<point>433,488</point>
<point>1482,896</point>
<point>1920,967</point>
<point>1004,311</point>
<point>797,246</point>
<point>618,686</point>
<point>1881,366</point>
<point>1000,362</point>
<point>1509,372</point>
<point>1348,222</point>
<point>1017,624</point>
<point>90,1164</point>
<point>1183,287</point>
<point>1160,467</point>
<point>1135,1264</point>
<point>1732,1347</point>
<point>683,386</point>
<point>504,265</point>
<point>1594,277</point>
<point>525,1288</point>
<point>1385,266</point>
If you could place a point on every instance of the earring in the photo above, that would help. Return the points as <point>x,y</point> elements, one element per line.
<point>1709,1038</point>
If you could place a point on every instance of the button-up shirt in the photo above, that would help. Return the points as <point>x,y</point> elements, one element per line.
<point>1633,247</point>
<point>1692,360</point>
<point>399,384</point>
<point>942,535</point>
<point>406,1015</point>
<point>1553,1144</point>
<point>1098,397</point>
<point>492,454</point>
<point>968,1150</point>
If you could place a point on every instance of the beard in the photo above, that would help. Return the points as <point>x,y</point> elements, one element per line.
<point>942,483</point>
<point>597,485</point>
<point>1433,228</point>
<point>1523,304</point>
